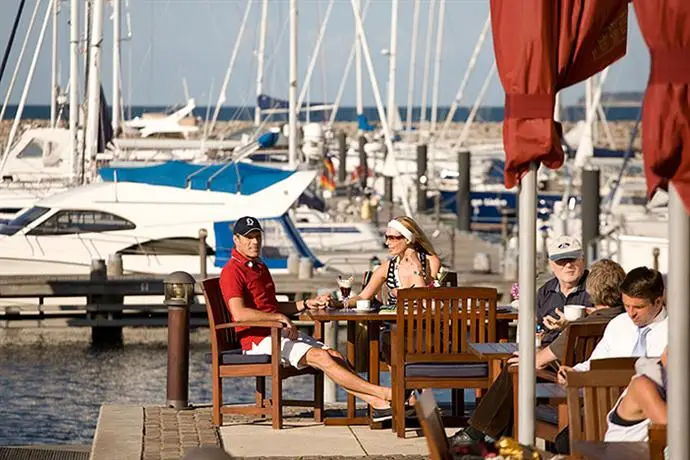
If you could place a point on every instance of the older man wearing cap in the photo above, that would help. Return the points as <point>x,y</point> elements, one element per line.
<point>250,295</point>
<point>567,287</point>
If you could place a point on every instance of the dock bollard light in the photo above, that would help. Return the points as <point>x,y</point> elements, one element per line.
<point>179,293</point>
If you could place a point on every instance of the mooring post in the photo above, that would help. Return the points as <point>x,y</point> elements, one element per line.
<point>422,179</point>
<point>179,294</point>
<point>462,196</point>
<point>203,256</point>
<point>102,335</point>
<point>342,157</point>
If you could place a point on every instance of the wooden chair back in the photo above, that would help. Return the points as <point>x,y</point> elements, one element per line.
<point>657,441</point>
<point>436,321</point>
<point>217,311</point>
<point>581,339</point>
<point>430,419</point>
<point>613,364</point>
<point>600,390</point>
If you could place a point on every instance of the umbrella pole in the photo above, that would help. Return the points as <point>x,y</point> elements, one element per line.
<point>678,300</point>
<point>527,280</point>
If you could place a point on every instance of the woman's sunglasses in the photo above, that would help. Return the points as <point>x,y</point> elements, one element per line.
<point>394,237</point>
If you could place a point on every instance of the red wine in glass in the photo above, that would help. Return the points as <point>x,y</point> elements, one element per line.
<point>345,291</point>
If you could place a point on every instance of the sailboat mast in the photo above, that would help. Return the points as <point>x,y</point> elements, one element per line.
<point>73,86</point>
<point>94,82</point>
<point>358,65</point>
<point>54,66</point>
<point>260,60</point>
<point>437,64</point>
<point>413,64</point>
<point>392,63</point>
<point>292,89</point>
<point>116,65</point>
<point>427,58</point>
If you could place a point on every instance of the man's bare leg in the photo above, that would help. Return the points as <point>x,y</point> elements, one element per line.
<point>375,395</point>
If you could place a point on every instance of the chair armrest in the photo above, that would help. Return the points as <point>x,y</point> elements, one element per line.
<point>540,373</point>
<point>546,374</point>
<point>271,324</point>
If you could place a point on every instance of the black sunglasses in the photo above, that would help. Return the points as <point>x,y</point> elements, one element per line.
<point>394,237</point>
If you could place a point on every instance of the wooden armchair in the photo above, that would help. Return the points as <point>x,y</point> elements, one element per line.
<point>429,416</point>
<point>430,341</point>
<point>657,441</point>
<point>591,395</point>
<point>227,361</point>
<point>580,340</point>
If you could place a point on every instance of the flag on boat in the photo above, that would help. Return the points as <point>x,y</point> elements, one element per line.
<point>328,175</point>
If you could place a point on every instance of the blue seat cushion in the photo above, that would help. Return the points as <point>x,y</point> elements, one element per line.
<point>546,413</point>
<point>236,357</point>
<point>457,370</point>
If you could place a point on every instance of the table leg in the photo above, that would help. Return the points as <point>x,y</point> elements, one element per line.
<point>351,418</point>
<point>373,328</point>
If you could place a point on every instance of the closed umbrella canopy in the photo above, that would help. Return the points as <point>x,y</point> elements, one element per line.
<point>665,25</point>
<point>543,46</point>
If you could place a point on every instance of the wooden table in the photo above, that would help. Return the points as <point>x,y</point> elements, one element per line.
<point>599,450</point>
<point>494,354</point>
<point>373,320</point>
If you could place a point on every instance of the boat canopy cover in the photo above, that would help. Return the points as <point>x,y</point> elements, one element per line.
<point>244,178</point>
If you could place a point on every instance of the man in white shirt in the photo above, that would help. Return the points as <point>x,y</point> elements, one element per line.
<point>642,330</point>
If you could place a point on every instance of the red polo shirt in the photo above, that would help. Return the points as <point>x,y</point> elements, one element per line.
<point>250,280</point>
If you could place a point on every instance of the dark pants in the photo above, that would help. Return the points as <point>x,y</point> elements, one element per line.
<point>493,415</point>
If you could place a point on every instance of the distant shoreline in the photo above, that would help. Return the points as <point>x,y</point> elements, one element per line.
<point>481,131</point>
<point>616,111</point>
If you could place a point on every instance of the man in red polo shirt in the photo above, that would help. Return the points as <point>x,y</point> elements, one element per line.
<point>250,295</point>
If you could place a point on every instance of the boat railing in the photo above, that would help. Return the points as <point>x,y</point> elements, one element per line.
<point>189,178</point>
<point>242,153</point>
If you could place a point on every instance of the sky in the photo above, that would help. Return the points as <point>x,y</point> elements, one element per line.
<point>192,40</point>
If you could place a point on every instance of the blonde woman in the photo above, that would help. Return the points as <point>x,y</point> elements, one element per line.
<point>413,261</point>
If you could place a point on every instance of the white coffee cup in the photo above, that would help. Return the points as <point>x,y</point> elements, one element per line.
<point>363,304</point>
<point>573,312</point>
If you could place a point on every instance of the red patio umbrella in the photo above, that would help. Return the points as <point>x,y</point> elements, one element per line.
<point>665,25</point>
<point>543,46</point>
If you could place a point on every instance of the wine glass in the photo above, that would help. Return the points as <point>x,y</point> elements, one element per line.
<point>345,285</point>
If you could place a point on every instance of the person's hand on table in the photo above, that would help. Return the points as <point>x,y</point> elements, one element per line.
<point>555,323</point>
<point>289,331</point>
<point>561,376</point>
<point>515,359</point>
<point>319,302</point>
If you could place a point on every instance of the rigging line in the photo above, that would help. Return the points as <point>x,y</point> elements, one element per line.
<point>324,86</point>
<point>346,73</point>
<point>13,33</point>
<point>13,80</point>
<point>269,59</point>
<point>148,56</point>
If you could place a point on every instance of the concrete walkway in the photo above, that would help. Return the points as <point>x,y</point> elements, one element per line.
<point>158,433</point>
<point>302,438</point>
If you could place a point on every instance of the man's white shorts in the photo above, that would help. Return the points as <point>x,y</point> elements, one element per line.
<point>291,351</point>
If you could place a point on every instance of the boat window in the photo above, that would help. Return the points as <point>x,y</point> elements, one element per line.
<point>33,149</point>
<point>22,220</point>
<point>167,247</point>
<point>70,221</point>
